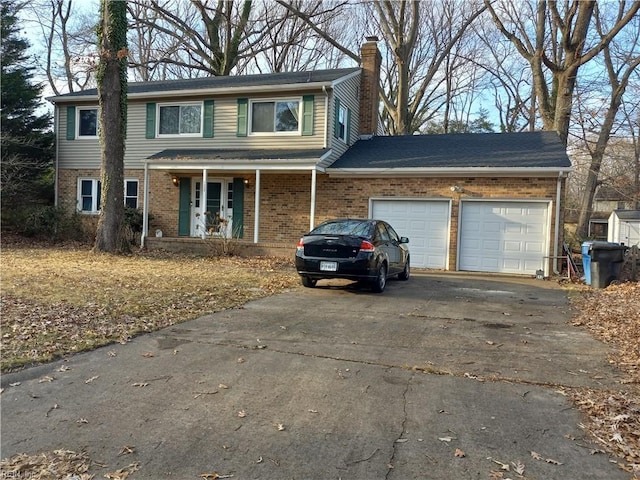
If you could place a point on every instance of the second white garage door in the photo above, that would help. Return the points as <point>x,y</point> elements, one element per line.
<point>425,222</point>
<point>503,237</point>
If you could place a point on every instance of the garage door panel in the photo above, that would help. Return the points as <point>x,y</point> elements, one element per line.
<point>425,222</point>
<point>504,237</point>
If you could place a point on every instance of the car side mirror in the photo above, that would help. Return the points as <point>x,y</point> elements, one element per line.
<point>404,240</point>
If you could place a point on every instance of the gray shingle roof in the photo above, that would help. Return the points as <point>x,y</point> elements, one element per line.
<point>222,82</point>
<point>464,150</point>
<point>628,214</point>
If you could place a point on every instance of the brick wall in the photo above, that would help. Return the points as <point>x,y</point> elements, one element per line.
<point>285,199</point>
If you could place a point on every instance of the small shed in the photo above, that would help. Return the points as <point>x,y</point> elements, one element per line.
<point>624,227</point>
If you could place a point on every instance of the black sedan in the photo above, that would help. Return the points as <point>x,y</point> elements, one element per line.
<point>356,249</point>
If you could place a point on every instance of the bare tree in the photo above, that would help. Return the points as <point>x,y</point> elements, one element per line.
<point>112,97</point>
<point>620,62</point>
<point>556,45</point>
<point>67,36</point>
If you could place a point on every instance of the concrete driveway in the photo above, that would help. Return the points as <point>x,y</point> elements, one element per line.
<point>441,377</point>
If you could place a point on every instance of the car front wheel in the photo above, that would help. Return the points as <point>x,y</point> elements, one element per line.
<point>381,280</point>
<point>309,282</point>
<point>404,275</point>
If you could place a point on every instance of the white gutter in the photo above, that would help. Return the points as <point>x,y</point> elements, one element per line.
<point>56,179</point>
<point>326,116</point>
<point>556,236</point>
<point>283,87</point>
<point>145,207</point>
<point>228,165</point>
<point>445,171</point>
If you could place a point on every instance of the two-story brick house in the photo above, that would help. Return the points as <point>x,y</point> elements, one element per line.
<point>281,152</point>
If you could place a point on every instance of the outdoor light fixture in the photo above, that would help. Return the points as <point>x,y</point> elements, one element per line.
<point>246,181</point>
<point>457,189</point>
<point>175,180</point>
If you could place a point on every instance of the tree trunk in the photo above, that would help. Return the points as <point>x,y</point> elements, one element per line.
<point>112,100</point>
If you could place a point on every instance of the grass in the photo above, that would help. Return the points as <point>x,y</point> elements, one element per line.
<point>62,300</point>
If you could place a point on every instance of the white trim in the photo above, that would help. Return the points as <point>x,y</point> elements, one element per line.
<point>447,171</point>
<point>80,108</point>
<point>179,104</point>
<point>275,101</point>
<point>298,87</point>
<point>312,213</point>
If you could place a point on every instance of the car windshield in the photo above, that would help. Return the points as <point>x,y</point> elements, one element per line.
<point>356,228</point>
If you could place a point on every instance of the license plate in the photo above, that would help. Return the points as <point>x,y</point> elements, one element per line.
<point>329,266</point>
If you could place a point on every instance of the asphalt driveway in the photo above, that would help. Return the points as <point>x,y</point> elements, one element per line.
<point>440,377</point>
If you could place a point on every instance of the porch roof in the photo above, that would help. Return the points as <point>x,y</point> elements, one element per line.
<point>237,159</point>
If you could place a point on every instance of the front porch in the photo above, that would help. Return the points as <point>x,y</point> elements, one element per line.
<point>211,246</point>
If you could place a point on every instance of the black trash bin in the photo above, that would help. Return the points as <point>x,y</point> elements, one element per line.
<point>606,262</point>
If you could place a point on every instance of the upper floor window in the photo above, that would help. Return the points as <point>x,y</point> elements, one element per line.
<point>87,122</point>
<point>275,116</point>
<point>343,118</point>
<point>180,119</point>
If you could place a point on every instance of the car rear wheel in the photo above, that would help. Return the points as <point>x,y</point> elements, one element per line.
<point>404,275</point>
<point>309,282</point>
<point>381,280</point>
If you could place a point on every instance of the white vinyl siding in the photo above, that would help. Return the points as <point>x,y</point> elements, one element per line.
<point>86,154</point>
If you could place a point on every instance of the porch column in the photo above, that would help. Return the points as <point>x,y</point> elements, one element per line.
<point>203,204</point>
<point>312,214</point>
<point>256,209</point>
<point>145,206</point>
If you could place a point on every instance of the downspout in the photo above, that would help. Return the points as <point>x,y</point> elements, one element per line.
<point>56,179</point>
<point>256,208</point>
<point>312,214</point>
<point>326,116</point>
<point>556,238</point>
<point>145,206</point>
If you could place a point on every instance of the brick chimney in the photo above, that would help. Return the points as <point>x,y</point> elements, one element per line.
<point>370,60</point>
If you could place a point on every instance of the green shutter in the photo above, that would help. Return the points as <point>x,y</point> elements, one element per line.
<point>238,208</point>
<point>243,117</point>
<point>71,123</point>
<point>184,208</point>
<point>336,119</point>
<point>151,120</point>
<point>307,115</point>
<point>208,119</point>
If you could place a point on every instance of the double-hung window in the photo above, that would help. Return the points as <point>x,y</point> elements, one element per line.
<point>278,116</point>
<point>87,122</point>
<point>185,119</point>
<point>343,118</point>
<point>90,191</point>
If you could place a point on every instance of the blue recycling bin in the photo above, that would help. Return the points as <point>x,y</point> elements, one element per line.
<point>586,261</point>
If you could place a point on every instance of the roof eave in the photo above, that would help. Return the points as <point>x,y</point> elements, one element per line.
<point>192,92</point>
<point>451,171</point>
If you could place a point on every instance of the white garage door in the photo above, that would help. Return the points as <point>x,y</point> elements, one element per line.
<point>425,222</point>
<point>504,237</point>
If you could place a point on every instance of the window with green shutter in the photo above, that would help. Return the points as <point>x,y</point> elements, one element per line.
<point>243,117</point>
<point>151,121</point>
<point>307,115</point>
<point>208,119</point>
<point>71,123</point>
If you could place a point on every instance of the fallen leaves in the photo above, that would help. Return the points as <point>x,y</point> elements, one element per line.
<point>50,309</point>
<point>66,464</point>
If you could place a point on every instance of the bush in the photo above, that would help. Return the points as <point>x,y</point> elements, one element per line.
<point>47,222</point>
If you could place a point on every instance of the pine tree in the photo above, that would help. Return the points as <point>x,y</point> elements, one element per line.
<point>27,141</point>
